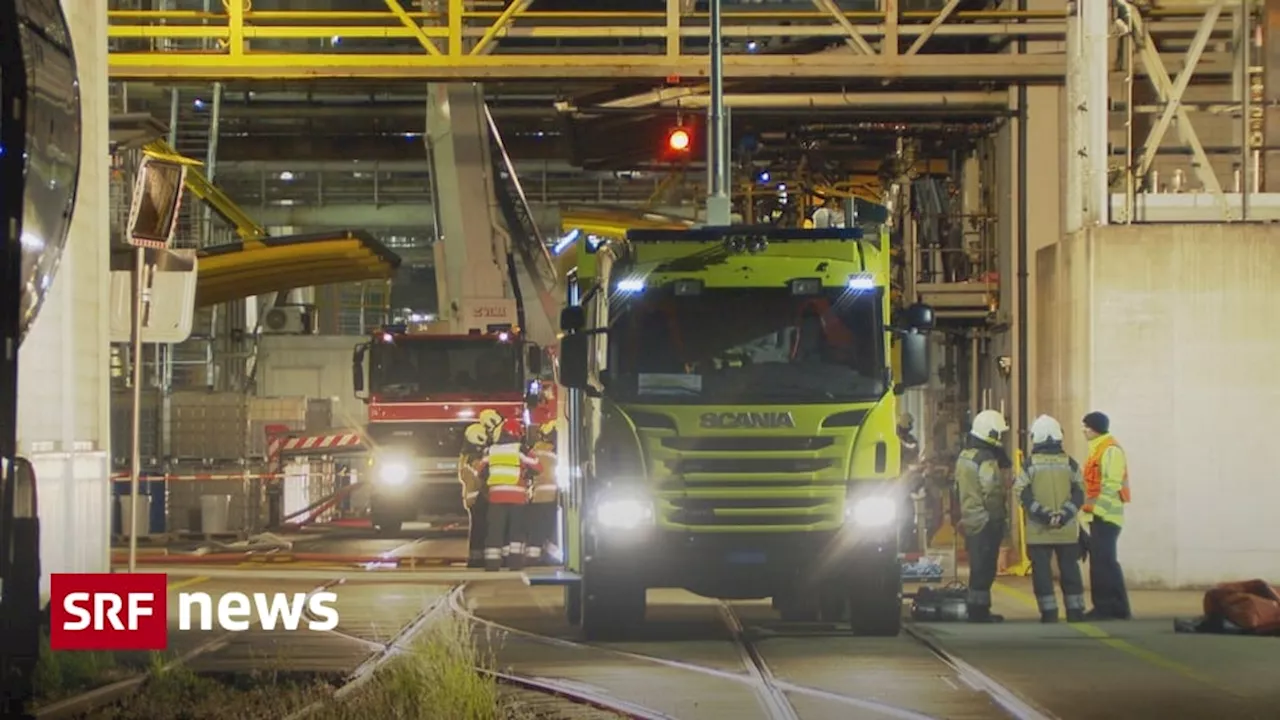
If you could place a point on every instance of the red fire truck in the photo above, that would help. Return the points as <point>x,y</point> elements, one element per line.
<point>424,389</point>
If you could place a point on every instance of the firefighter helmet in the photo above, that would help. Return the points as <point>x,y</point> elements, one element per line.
<point>906,421</point>
<point>490,419</point>
<point>547,430</point>
<point>476,434</point>
<point>1045,429</point>
<point>989,425</point>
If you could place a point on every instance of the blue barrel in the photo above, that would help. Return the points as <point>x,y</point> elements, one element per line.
<point>150,484</point>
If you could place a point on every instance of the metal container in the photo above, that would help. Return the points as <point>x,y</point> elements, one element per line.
<point>209,425</point>
<point>154,489</point>
<point>215,513</point>
<point>122,428</point>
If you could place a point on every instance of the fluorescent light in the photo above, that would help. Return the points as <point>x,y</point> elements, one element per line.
<point>630,285</point>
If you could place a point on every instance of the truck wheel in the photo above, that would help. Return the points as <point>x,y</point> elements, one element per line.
<point>611,607</point>
<point>875,603</point>
<point>573,604</point>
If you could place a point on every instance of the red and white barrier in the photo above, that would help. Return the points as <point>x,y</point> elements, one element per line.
<point>278,446</point>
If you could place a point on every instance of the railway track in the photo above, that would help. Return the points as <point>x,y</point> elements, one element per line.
<point>227,653</point>
<point>775,697</point>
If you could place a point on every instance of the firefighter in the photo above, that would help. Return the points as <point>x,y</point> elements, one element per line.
<point>907,438</point>
<point>982,508</point>
<point>505,467</point>
<point>1050,488</point>
<point>541,515</point>
<point>474,496</point>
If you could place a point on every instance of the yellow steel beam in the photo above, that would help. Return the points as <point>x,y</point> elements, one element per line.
<point>304,66</point>
<point>412,25</point>
<point>200,186</point>
<point>461,44</point>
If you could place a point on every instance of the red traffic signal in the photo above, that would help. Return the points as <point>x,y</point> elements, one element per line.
<point>678,140</point>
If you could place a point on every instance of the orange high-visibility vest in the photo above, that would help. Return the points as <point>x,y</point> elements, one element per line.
<point>1104,501</point>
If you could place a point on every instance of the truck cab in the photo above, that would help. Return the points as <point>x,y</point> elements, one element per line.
<point>730,425</point>
<point>423,390</point>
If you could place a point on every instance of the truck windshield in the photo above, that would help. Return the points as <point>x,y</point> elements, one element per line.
<point>426,366</point>
<point>730,346</point>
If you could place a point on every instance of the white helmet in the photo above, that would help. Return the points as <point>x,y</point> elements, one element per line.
<point>476,434</point>
<point>1044,429</point>
<point>989,425</point>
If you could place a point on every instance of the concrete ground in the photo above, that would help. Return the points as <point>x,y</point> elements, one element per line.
<point>687,664</point>
<point>1134,669</point>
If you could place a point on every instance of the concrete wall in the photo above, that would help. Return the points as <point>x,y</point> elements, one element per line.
<point>316,366</point>
<point>1171,330</point>
<point>64,404</point>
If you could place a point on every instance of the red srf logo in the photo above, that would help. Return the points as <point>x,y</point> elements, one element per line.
<point>108,612</point>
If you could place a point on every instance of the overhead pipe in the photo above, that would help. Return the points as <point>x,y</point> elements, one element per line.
<point>944,100</point>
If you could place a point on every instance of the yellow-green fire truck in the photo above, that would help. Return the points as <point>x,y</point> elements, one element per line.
<point>729,424</point>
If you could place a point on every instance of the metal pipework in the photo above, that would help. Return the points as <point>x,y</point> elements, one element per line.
<point>718,202</point>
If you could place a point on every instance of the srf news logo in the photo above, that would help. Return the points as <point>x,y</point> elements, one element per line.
<point>131,612</point>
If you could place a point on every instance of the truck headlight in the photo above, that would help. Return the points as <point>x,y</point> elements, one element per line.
<point>873,511</point>
<point>393,472</point>
<point>624,513</point>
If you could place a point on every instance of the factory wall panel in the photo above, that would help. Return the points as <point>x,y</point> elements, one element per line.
<point>315,366</point>
<point>1170,330</point>
<point>64,411</point>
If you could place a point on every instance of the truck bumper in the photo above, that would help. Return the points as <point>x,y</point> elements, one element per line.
<point>744,566</point>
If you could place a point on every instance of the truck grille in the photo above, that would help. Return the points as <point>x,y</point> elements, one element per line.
<point>731,484</point>
<point>441,440</point>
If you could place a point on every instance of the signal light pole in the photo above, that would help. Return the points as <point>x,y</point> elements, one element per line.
<point>719,206</point>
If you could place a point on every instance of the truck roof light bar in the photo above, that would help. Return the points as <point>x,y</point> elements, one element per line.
<point>767,233</point>
<point>862,281</point>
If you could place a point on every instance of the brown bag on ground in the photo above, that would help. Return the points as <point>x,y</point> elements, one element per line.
<point>1252,606</point>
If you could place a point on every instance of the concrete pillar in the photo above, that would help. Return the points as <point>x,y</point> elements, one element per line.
<point>473,244</point>
<point>1045,151</point>
<point>1171,331</point>
<point>64,411</point>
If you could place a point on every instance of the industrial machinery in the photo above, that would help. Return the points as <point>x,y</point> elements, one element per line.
<point>730,423</point>
<point>424,389</point>
<point>39,172</point>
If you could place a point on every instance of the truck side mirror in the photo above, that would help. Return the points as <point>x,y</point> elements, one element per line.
<point>573,361</point>
<point>915,358</point>
<point>918,317</point>
<point>573,319</point>
<point>533,359</point>
<point>357,366</point>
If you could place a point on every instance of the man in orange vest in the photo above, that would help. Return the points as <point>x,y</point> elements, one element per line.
<point>1106,492</point>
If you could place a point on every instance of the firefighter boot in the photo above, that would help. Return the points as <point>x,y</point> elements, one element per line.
<point>1048,616</point>
<point>492,559</point>
<point>983,614</point>
<point>515,557</point>
<point>1075,616</point>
